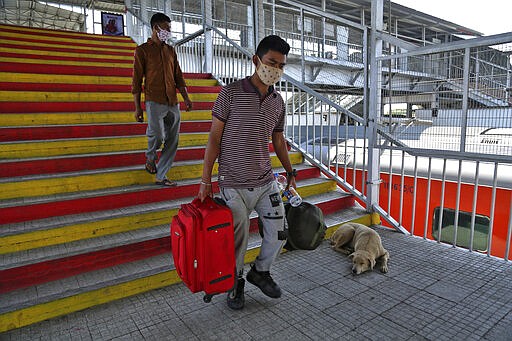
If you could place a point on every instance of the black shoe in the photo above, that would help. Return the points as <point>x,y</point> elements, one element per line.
<point>264,281</point>
<point>236,299</point>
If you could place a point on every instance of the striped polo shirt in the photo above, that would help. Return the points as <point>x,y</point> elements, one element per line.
<point>244,159</point>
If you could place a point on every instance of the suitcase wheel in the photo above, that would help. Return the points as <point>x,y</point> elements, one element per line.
<point>207,298</point>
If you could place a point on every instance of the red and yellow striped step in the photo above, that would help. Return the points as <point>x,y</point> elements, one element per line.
<point>110,225</point>
<point>34,211</point>
<point>56,165</point>
<point>47,271</point>
<point>92,181</point>
<point>63,97</point>
<point>24,149</point>
<point>42,32</point>
<point>80,107</point>
<point>71,118</point>
<point>18,77</point>
<point>87,131</point>
<point>41,166</point>
<point>37,37</point>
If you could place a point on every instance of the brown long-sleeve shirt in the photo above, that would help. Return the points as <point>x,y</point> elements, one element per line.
<point>158,65</point>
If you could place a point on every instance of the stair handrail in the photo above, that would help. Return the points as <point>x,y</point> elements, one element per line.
<point>191,36</point>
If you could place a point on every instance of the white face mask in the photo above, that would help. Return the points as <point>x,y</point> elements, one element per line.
<point>269,75</point>
<point>163,35</point>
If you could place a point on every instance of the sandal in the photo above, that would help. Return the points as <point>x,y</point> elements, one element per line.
<point>150,166</point>
<point>166,183</point>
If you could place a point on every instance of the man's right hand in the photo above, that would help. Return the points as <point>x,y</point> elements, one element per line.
<point>205,190</point>
<point>139,116</point>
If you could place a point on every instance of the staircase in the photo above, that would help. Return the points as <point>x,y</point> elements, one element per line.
<point>81,222</point>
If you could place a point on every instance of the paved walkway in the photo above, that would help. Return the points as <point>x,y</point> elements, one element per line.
<point>432,292</point>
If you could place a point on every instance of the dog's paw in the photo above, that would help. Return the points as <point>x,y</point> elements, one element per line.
<point>384,268</point>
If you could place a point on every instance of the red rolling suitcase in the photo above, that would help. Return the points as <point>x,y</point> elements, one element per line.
<point>203,247</point>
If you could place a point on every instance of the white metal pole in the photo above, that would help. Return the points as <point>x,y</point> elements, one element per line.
<point>377,24</point>
<point>208,43</point>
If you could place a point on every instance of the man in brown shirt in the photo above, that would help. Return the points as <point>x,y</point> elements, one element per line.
<point>157,63</point>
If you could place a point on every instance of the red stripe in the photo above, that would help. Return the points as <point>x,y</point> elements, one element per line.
<point>85,131</point>
<point>204,89</point>
<point>69,34</point>
<point>85,205</point>
<point>65,69</point>
<point>81,70</point>
<point>77,163</point>
<point>77,42</point>
<point>62,49</point>
<point>41,107</point>
<point>74,164</point>
<point>108,202</point>
<point>34,274</point>
<point>67,58</point>
<point>43,272</point>
<point>194,75</point>
<point>64,87</point>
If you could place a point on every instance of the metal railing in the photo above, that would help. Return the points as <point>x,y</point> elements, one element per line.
<point>447,166</point>
<point>429,166</point>
<point>443,116</point>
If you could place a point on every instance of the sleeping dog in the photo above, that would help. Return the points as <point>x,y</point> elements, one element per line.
<point>362,244</point>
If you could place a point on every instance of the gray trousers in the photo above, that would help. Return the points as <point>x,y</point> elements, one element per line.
<point>163,126</point>
<point>266,200</point>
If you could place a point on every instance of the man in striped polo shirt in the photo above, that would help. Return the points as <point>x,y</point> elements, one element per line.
<point>246,114</point>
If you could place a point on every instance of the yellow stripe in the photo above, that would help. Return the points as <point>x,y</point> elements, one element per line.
<point>27,316</point>
<point>323,187</point>
<point>64,62</point>
<point>365,220</point>
<point>65,47</point>
<point>75,41</point>
<point>15,77</point>
<point>70,184</point>
<point>71,233</point>
<point>63,54</point>
<point>40,96</point>
<point>104,180</point>
<point>16,120</point>
<point>82,231</point>
<point>17,150</point>
<point>201,82</point>
<point>32,30</point>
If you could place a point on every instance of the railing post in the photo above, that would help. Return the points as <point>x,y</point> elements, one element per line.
<point>465,99</point>
<point>259,22</point>
<point>302,45</point>
<point>208,41</point>
<point>372,198</point>
<point>508,88</point>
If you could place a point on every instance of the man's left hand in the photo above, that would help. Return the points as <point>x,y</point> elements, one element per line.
<point>188,104</point>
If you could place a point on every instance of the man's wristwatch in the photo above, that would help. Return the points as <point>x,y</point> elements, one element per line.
<point>292,173</point>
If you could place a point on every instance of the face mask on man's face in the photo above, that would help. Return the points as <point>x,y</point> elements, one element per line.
<point>269,75</point>
<point>163,35</point>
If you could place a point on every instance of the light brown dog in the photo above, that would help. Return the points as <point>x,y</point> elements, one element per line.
<point>362,244</point>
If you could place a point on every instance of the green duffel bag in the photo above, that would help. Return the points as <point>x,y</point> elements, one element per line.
<point>306,227</point>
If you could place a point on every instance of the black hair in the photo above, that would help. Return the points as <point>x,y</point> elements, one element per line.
<point>158,18</point>
<point>274,43</point>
